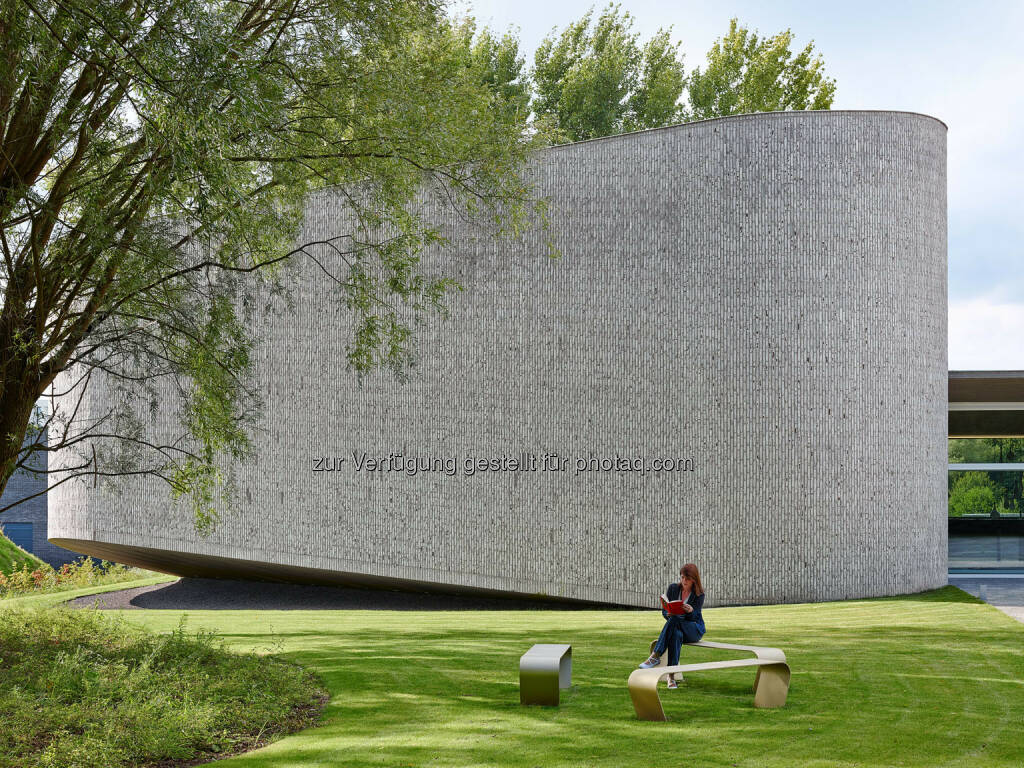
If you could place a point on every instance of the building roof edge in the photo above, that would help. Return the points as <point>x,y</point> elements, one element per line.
<point>753,115</point>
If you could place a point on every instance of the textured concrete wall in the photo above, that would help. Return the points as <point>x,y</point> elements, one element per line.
<point>764,295</point>
<point>22,485</point>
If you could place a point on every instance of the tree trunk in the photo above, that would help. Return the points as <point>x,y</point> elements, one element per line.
<point>16,404</point>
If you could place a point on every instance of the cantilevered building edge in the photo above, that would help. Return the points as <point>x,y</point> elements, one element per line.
<point>760,299</point>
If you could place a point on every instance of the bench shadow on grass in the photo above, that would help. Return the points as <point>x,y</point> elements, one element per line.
<point>402,697</point>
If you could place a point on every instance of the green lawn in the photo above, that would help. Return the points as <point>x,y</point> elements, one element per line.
<point>930,680</point>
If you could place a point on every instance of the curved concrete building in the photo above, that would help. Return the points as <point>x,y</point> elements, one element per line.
<point>753,309</point>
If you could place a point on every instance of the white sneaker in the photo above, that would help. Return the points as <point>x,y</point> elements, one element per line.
<point>652,661</point>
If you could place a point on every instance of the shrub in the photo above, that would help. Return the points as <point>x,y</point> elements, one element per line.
<point>84,572</point>
<point>79,689</point>
<point>972,493</point>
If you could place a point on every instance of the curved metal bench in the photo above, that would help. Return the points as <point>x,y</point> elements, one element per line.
<point>771,684</point>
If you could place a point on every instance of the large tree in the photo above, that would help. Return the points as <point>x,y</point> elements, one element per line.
<point>747,73</point>
<point>155,156</point>
<point>595,79</point>
<point>501,63</point>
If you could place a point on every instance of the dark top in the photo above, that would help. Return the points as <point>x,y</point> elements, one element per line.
<point>673,591</point>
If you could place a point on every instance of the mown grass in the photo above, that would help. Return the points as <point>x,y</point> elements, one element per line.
<point>79,689</point>
<point>929,680</point>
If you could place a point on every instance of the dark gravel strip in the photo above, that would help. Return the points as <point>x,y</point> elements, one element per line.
<point>224,594</point>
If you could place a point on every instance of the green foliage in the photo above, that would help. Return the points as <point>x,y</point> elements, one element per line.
<point>985,450</point>
<point>500,68</point>
<point>155,163</point>
<point>655,102</point>
<point>79,689</point>
<point>746,73</point>
<point>40,577</point>
<point>596,80</point>
<point>973,493</point>
<point>973,496</point>
<point>14,558</point>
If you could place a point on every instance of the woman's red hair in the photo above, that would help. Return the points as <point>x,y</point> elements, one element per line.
<point>690,571</point>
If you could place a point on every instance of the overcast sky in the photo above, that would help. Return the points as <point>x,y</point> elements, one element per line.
<point>960,62</point>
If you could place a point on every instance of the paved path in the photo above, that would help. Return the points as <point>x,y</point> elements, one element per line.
<point>1003,590</point>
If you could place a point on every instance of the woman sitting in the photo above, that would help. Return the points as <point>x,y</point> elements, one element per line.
<point>687,627</point>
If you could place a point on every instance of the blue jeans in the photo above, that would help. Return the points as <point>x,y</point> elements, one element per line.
<point>676,632</point>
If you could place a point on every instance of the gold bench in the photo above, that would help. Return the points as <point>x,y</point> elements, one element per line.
<point>771,684</point>
<point>543,671</point>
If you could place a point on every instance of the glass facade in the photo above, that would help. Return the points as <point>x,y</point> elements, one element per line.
<point>986,511</point>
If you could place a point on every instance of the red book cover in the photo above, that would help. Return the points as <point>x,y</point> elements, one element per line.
<point>674,607</point>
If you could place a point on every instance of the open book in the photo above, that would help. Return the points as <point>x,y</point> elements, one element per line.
<point>674,607</point>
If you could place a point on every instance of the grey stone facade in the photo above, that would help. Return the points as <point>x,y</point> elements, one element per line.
<point>22,485</point>
<point>763,295</point>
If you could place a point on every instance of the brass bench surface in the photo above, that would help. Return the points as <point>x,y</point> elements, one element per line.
<point>771,684</point>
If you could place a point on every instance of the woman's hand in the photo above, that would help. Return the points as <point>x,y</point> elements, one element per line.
<point>687,608</point>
